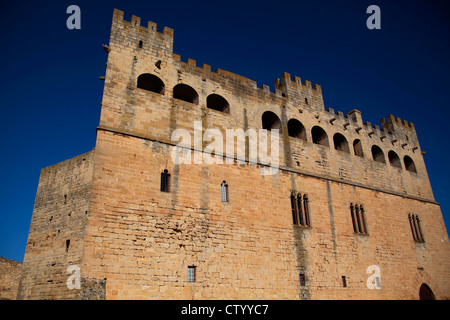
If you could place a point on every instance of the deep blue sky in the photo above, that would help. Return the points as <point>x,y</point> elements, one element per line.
<point>50,92</point>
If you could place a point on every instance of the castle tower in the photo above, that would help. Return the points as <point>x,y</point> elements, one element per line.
<point>348,213</point>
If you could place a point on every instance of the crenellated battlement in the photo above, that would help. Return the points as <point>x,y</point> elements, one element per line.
<point>312,134</point>
<point>136,32</point>
<point>392,123</point>
<point>118,18</point>
<point>296,84</point>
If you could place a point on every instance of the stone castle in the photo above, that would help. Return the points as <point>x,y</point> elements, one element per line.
<point>349,214</point>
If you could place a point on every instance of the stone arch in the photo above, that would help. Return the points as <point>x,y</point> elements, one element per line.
<point>186,93</point>
<point>296,129</point>
<point>378,154</point>
<point>340,143</point>
<point>217,102</point>
<point>319,136</point>
<point>409,164</point>
<point>357,148</point>
<point>150,82</point>
<point>394,159</point>
<point>425,293</point>
<point>270,121</point>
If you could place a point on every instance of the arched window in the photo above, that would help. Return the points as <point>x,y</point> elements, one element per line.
<point>340,143</point>
<point>296,129</point>
<point>151,83</point>
<point>409,164</point>
<point>186,93</point>
<point>271,121</point>
<point>224,191</point>
<point>377,154</point>
<point>357,148</point>
<point>394,160</point>
<point>319,136</point>
<point>216,102</point>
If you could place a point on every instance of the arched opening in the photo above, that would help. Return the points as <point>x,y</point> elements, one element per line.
<point>377,154</point>
<point>271,121</point>
<point>151,83</point>
<point>357,148</point>
<point>409,164</point>
<point>319,136</point>
<point>425,292</point>
<point>296,129</point>
<point>216,102</point>
<point>394,160</point>
<point>340,143</point>
<point>186,93</point>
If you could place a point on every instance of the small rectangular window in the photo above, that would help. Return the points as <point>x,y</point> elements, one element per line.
<point>165,180</point>
<point>302,280</point>
<point>67,245</point>
<point>191,273</point>
<point>344,281</point>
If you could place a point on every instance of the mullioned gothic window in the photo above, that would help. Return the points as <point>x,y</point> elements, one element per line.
<point>358,218</point>
<point>414,223</point>
<point>300,209</point>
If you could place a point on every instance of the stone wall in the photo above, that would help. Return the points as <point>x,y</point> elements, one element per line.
<point>10,272</point>
<point>133,241</point>
<point>56,237</point>
<point>248,248</point>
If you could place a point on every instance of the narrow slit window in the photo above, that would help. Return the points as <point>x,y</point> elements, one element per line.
<point>363,220</point>
<point>358,219</point>
<point>224,191</point>
<point>294,208</point>
<point>165,180</point>
<point>302,279</point>
<point>306,209</point>
<point>140,44</point>
<point>352,212</point>
<point>67,245</point>
<point>344,281</point>
<point>192,273</point>
<point>300,211</point>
